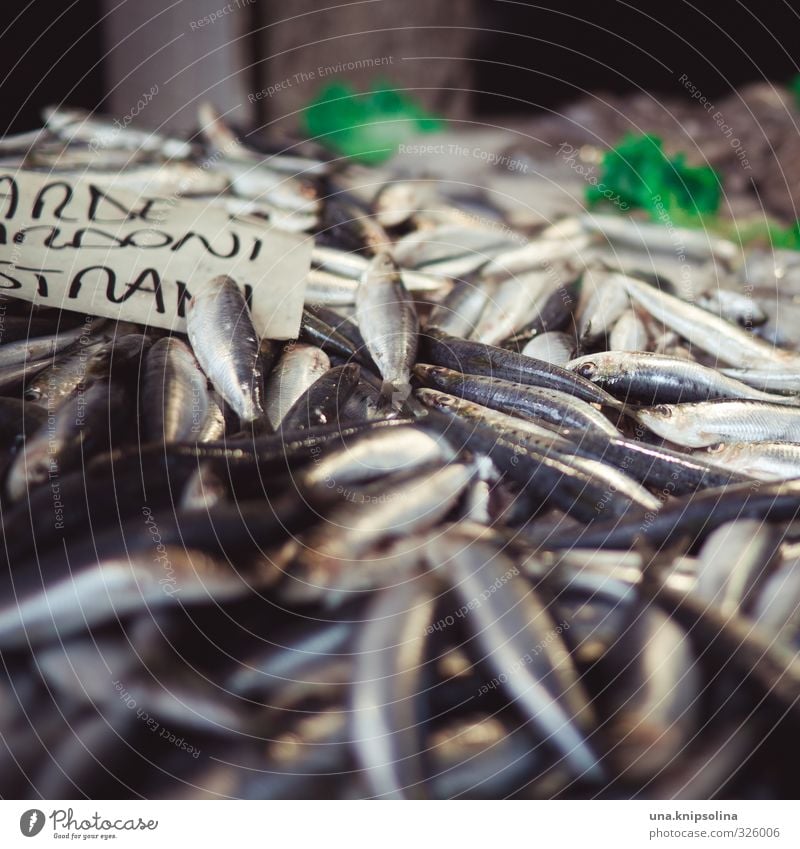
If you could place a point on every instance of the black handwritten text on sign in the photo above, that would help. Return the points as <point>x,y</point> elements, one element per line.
<point>70,244</point>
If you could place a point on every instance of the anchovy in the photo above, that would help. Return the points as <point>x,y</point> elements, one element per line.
<point>510,305</point>
<point>776,610</point>
<point>335,560</point>
<point>534,254</point>
<point>545,475</point>
<point>735,560</point>
<point>387,683</point>
<point>651,378</point>
<point>708,422</point>
<point>449,251</point>
<point>460,310</point>
<point>388,321</point>
<point>767,379</point>
<point>298,368</point>
<point>604,302</point>
<point>689,517</point>
<point>653,703</point>
<point>478,359</point>
<point>396,202</point>
<point>629,333</point>
<point>98,591</point>
<point>559,409</point>
<point>226,345</point>
<point>377,453</point>
<point>322,402</point>
<point>509,622</point>
<point>649,237</point>
<point>771,670</point>
<point>329,288</point>
<point>762,460</point>
<point>175,392</point>
<point>717,337</point>
<point>80,428</point>
<point>736,307</point>
<point>42,347</point>
<point>555,348</point>
<point>52,386</point>
<point>316,331</point>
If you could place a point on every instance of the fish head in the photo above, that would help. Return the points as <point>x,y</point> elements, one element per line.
<point>436,399</point>
<point>586,368</point>
<point>438,376</point>
<point>656,419</point>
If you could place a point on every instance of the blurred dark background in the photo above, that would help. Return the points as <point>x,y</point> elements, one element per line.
<point>465,57</point>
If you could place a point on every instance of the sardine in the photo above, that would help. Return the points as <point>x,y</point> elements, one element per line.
<point>555,348</point>
<point>388,681</point>
<point>175,393</point>
<point>335,561</point>
<point>509,623</point>
<point>651,378</point>
<point>298,368</point>
<point>708,422</point>
<point>226,345</point>
<point>388,322</point>
<point>717,337</point>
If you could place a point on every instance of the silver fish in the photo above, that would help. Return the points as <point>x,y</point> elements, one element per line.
<point>603,302</point>
<point>40,347</point>
<point>459,312</point>
<point>390,660</point>
<point>175,392</point>
<point>226,345</point>
<point>336,557</point>
<point>396,202</point>
<point>647,376</point>
<point>736,307</point>
<point>715,336</point>
<point>535,254</point>
<point>777,608</point>
<point>708,422</point>
<point>97,592</point>
<point>761,460</point>
<point>654,701</point>
<point>509,621</point>
<point>449,251</point>
<point>735,560</point>
<point>552,347</point>
<point>298,368</point>
<point>388,322</point>
<point>511,305</point>
<point>629,333</point>
<point>768,379</point>
<point>650,237</point>
<point>329,288</point>
<point>378,453</point>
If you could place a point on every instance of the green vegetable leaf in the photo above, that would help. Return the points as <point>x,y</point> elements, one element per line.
<point>368,126</point>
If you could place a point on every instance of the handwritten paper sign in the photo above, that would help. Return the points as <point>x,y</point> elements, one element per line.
<point>71,244</point>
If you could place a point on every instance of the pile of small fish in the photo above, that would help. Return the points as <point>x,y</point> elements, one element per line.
<point>514,516</point>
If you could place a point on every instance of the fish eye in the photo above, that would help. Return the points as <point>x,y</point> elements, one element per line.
<point>587,369</point>
<point>664,410</point>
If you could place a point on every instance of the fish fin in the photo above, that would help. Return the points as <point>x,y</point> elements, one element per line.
<point>386,400</point>
<point>394,395</point>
